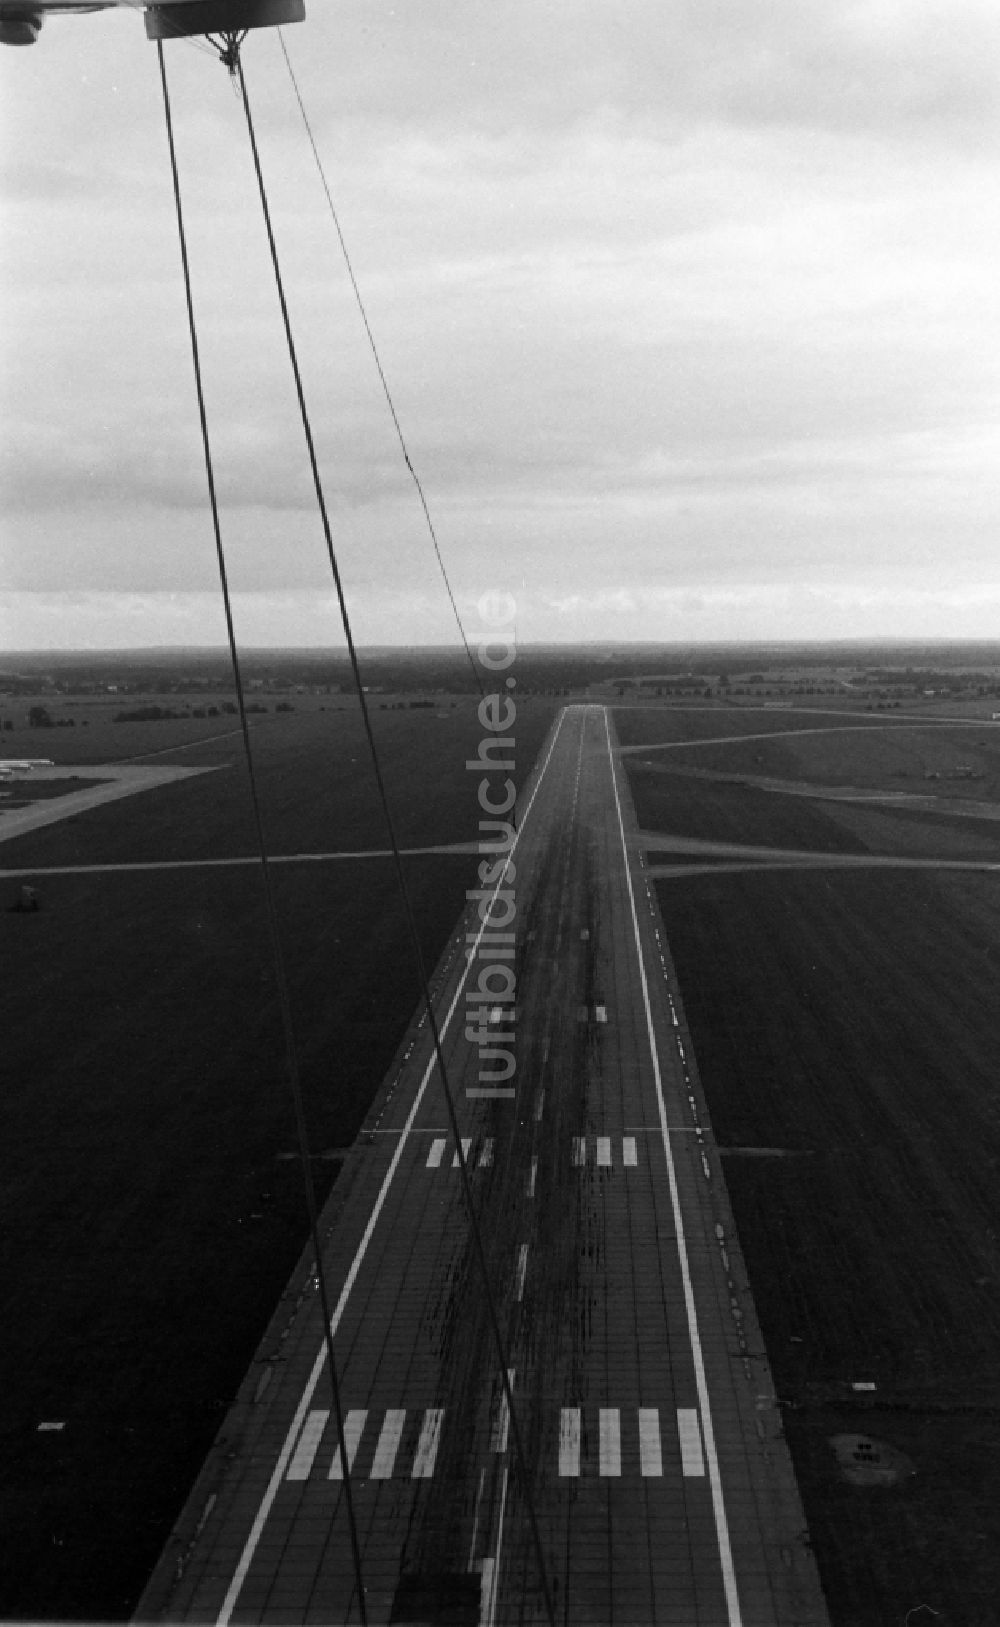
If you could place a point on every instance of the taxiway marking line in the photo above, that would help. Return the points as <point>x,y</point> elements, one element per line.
<point>694,1336</point>
<point>278,1472</point>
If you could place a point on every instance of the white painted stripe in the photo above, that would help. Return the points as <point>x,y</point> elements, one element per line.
<point>388,1444</point>
<point>486,1593</point>
<point>492,1091</point>
<point>601,1013</point>
<point>466,1148</point>
<point>569,1442</point>
<point>522,1267</point>
<point>539,1106</point>
<point>650,1451</point>
<point>734,1614</point>
<point>630,1152</point>
<point>604,1151</point>
<point>427,1445</point>
<point>354,1426</point>
<point>692,1461</point>
<point>579,1150</point>
<point>278,1472</point>
<point>532,1176</point>
<point>495,1576</point>
<point>305,1452</point>
<point>486,1153</point>
<point>501,1423</point>
<point>436,1154</point>
<point>610,1441</point>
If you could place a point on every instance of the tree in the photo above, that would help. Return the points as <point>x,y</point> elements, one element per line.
<point>38,718</point>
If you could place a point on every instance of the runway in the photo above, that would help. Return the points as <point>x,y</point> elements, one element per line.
<point>644,1447</point>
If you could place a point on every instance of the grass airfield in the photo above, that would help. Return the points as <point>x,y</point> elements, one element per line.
<point>152,1211</point>
<point>847,1036</point>
<point>847,1022</point>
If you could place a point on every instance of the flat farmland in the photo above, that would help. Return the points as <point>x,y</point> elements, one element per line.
<point>847,1031</point>
<point>152,1198</point>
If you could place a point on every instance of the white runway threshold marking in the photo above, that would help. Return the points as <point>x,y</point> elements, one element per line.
<point>308,1446</point>
<point>354,1425</point>
<point>610,1441</point>
<point>734,1613</point>
<point>650,1449</point>
<point>689,1435</point>
<point>427,1445</point>
<point>388,1444</point>
<point>278,1472</point>
<point>569,1443</point>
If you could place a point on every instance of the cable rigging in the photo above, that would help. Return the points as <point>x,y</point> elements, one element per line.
<point>274,933</point>
<point>478,1245</point>
<point>227,47</point>
<point>378,363</point>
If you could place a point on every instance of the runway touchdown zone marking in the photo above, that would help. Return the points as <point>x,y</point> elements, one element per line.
<point>387,1462</point>
<point>575,1459</point>
<point>604,1151</point>
<point>482,1159</point>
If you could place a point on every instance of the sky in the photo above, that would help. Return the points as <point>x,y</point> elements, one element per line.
<point>690,312</point>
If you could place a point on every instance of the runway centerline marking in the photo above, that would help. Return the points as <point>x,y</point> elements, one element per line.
<point>522,1267</point>
<point>309,1390</point>
<point>694,1336</point>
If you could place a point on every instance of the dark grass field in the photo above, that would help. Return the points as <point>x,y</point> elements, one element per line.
<point>852,1022</point>
<point>653,725</point>
<point>717,812</point>
<point>150,1219</point>
<point>897,757</point>
<point>316,784</point>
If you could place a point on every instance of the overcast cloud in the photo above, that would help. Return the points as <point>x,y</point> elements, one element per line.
<point>690,312</point>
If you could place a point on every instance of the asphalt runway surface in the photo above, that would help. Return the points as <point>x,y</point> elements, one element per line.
<point>640,1475</point>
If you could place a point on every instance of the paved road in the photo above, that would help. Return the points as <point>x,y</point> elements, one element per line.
<point>645,1434</point>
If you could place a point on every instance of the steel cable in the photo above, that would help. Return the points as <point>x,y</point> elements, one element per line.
<point>478,1245</point>
<point>277,953</point>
